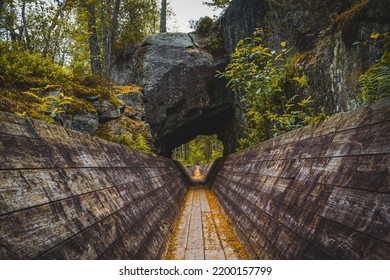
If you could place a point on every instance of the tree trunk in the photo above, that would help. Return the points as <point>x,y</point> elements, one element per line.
<point>104,35</point>
<point>111,37</point>
<point>208,148</point>
<point>94,51</point>
<point>109,22</point>
<point>24,30</point>
<point>163,16</point>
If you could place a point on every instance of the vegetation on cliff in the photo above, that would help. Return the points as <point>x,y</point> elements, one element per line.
<point>55,61</point>
<point>261,76</point>
<point>34,86</point>
<point>375,82</point>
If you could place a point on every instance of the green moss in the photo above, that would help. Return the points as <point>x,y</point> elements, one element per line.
<point>22,103</point>
<point>79,106</point>
<point>103,132</point>
<point>348,17</point>
<point>103,93</point>
<point>127,89</point>
<point>30,97</point>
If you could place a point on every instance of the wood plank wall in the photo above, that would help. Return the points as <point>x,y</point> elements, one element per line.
<point>320,192</point>
<point>64,195</point>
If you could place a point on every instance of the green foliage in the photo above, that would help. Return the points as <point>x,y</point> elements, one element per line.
<point>259,75</point>
<point>203,25</point>
<point>139,18</point>
<point>58,30</point>
<point>375,82</point>
<point>210,37</point>
<point>139,142</point>
<point>20,68</point>
<point>55,106</point>
<point>221,4</point>
<point>201,150</point>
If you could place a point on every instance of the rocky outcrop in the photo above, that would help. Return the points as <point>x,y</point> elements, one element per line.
<point>342,53</point>
<point>182,97</point>
<point>85,122</point>
<point>107,111</point>
<point>331,38</point>
<point>297,22</point>
<point>116,114</point>
<point>134,104</point>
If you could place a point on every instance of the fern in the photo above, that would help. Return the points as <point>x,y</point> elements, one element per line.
<point>375,82</point>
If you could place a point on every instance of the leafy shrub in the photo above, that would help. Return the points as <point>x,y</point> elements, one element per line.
<point>23,69</point>
<point>259,75</point>
<point>203,25</point>
<point>139,143</point>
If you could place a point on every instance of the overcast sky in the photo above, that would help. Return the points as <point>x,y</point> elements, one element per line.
<point>186,10</point>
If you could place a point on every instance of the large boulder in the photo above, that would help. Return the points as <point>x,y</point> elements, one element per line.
<point>181,94</point>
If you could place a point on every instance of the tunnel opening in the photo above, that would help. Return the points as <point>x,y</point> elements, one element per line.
<point>211,122</point>
<point>202,150</point>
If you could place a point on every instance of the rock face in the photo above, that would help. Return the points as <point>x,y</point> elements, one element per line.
<point>107,111</point>
<point>182,97</point>
<point>86,122</point>
<point>332,37</point>
<point>330,43</point>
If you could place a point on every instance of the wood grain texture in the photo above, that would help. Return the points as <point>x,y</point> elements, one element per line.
<point>320,192</point>
<point>64,195</point>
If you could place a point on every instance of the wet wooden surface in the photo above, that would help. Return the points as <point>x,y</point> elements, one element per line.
<point>202,232</point>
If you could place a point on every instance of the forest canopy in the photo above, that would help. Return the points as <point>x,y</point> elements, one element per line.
<point>77,34</point>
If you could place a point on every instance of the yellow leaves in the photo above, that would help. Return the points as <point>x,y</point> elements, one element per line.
<point>20,114</point>
<point>283,44</point>
<point>302,81</point>
<point>127,89</point>
<point>305,102</point>
<point>375,35</point>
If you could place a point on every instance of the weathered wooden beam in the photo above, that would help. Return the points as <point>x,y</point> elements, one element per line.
<point>319,192</point>
<point>65,195</point>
